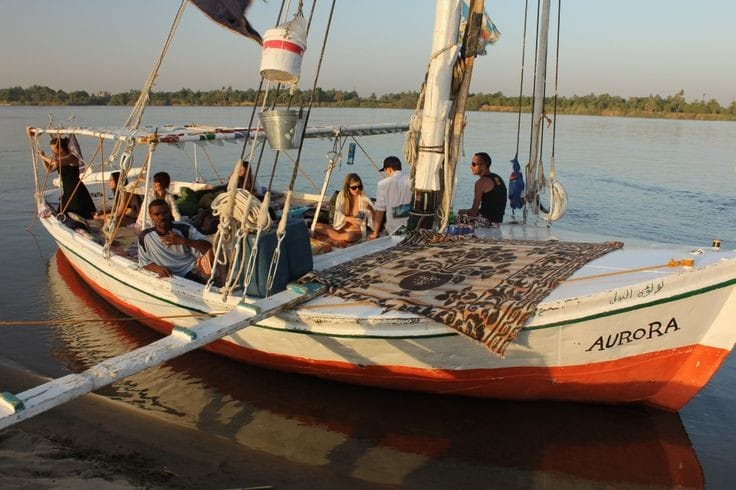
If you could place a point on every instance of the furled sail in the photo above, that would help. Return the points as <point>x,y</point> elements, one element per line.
<point>231,14</point>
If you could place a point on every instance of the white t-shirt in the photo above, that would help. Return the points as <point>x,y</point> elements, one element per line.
<point>393,196</point>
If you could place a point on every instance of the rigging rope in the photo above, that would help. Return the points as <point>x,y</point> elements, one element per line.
<point>554,109</point>
<point>245,209</point>
<point>375,165</point>
<point>33,140</point>
<point>227,237</point>
<point>413,135</point>
<point>688,262</point>
<point>534,96</point>
<point>137,113</point>
<point>281,230</point>
<point>521,77</point>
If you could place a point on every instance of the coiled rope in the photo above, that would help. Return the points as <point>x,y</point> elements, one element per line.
<point>244,209</point>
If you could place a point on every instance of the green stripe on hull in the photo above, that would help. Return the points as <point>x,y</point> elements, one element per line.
<point>604,314</point>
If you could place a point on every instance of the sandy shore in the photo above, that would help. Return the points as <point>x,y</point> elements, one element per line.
<point>96,443</point>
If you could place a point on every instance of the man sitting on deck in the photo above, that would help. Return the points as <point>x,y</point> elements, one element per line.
<point>174,248</point>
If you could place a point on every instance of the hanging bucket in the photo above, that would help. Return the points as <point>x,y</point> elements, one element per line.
<point>282,128</point>
<point>283,49</point>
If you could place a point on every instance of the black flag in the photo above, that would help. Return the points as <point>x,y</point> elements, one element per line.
<point>231,14</point>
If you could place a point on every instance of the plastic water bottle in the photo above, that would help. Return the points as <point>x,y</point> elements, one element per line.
<point>363,224</point>
<point>351,154</point>
<point>451,219</point>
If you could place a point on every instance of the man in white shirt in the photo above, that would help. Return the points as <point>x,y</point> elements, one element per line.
<point>393,198</point>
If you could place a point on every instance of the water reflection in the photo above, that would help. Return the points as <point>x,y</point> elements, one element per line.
<point>406,439</point>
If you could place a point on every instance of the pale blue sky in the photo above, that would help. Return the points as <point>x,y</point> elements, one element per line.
<point>622,47</point>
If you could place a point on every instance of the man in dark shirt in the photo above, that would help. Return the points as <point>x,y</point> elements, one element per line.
<point>489,200</point>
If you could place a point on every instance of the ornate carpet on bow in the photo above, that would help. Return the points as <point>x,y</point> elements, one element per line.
<point>484,288</point>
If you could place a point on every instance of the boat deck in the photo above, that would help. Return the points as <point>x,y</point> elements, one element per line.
<point>636,263</point>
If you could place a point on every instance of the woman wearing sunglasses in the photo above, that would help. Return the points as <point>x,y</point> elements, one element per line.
<point>353,214</point>
<point>489,199</point>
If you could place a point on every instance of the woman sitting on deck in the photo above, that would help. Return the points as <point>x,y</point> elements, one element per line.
<point>353,209</point>
<point>124,203</point>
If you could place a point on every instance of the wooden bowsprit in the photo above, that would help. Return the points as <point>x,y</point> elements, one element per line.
<point>15,408</point>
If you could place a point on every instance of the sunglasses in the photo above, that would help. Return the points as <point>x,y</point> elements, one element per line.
<point>354,187</point>
<point>474,164</point>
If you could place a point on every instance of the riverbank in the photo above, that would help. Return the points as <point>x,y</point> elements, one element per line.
<point>649,107</point>
<point>96,443</point>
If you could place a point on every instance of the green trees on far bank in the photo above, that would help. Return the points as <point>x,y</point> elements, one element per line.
<point>672,106</point>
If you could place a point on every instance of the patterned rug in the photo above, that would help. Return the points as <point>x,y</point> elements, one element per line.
<point>483,288</point>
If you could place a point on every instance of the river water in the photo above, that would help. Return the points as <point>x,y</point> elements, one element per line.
<point>637,179</point>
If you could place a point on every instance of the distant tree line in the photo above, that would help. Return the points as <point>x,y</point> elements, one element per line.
<point>672,106</point>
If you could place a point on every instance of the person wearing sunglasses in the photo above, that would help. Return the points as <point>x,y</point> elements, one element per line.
<point>489,199</point>
<point>353,214</point>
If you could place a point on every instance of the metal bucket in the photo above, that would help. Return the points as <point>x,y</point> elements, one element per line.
<point>282,128</point>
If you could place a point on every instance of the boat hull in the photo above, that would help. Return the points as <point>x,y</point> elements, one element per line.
<point>659,352</point>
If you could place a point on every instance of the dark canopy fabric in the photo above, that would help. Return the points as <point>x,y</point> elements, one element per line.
<point>231,14</point>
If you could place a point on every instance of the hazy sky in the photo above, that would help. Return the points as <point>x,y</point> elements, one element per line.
<point>622,47</point>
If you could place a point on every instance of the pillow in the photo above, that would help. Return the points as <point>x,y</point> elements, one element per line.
<point>188,202</point>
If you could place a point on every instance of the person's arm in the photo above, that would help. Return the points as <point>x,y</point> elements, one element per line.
<point>199,244</point>
<point>367,208</point>
<point>377,221</point>
<point>158,269</point>
<point>338,222</point>
<point>249,183</point>
<point>118,212</point>
<point>123,202</point>
<point>379,210</point>
<point>51,164</point>
<point>479,190</point>
<point>172,205</point>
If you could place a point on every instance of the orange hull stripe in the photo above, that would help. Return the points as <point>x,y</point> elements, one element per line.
<point>648,378</point>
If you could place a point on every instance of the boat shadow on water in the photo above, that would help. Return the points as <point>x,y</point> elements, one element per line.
<point>378,436</point>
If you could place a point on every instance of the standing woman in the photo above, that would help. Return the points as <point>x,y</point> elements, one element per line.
<point>75,197</point>
<point>353,210</point>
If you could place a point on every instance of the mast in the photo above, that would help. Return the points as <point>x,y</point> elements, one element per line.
<point>443,116</point>
<point>437,105</point>
<point>534,170</point>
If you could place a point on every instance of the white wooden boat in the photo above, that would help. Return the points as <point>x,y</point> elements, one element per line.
<point>324,418</point>
<point>642,324</point>
<point>653,336</point>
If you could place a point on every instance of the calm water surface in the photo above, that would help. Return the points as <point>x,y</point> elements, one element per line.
<point>651,180</point>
